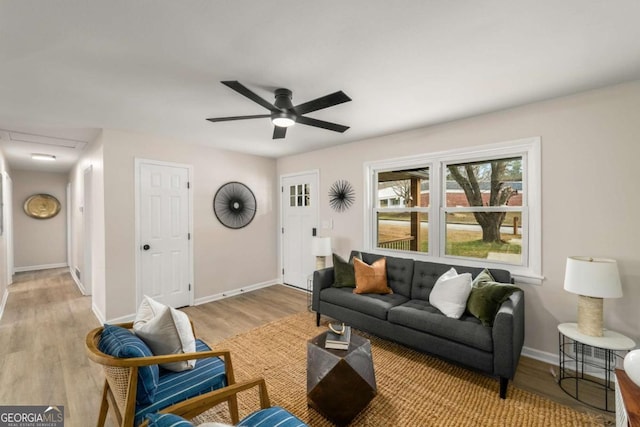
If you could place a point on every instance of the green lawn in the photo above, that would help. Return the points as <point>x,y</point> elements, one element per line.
<point>464,243</point>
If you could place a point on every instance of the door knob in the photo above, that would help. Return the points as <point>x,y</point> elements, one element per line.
<point>146,247</point>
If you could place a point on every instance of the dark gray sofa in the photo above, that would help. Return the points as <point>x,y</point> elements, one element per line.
<point>406,316</point>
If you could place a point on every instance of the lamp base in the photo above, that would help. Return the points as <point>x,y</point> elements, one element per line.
<point>321,262</point>
<point>590,316</point>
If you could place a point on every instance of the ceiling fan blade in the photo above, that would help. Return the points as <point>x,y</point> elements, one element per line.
<point>243,90</point>
<point>227,119</point>
<point>321,124</point>
<point>279,132</point>
<point>322,102</point>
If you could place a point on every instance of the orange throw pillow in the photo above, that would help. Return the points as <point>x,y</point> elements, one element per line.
<point>371,279</point>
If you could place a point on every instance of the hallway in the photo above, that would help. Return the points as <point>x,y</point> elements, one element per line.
<point>42,355</point>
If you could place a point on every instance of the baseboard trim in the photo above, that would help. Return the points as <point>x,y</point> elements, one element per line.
<point>554,361</point>
<point>98,314</point>
<point>122,319</point>
<point>198,301</point>
<point>40,267</point>
<point>542,356</point>
<point>232,292</point>
<point>78,282</point>
<point>101,317</point>
<point>3,303</point>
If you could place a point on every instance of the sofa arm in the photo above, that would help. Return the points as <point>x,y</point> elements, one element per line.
<point>321,279</point>
<point>508,336</point>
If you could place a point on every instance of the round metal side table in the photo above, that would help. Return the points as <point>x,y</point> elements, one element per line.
<point>590,361</point>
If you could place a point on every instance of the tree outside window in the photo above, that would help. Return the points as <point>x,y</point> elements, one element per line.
<point>483,209</point>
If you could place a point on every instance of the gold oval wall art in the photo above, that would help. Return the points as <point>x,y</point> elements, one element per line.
<point>41,206</point>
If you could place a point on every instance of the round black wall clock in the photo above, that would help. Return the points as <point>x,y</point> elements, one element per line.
<point>234,205</point>
<point>341,195</point>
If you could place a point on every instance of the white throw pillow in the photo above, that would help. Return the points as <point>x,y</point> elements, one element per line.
<point>450,293</point>
<point>166,331</point>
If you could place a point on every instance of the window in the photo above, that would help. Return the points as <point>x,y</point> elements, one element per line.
<point>476,207</point>
<point>482,199</point>
<point>299,195</point>
<point>402,215</point>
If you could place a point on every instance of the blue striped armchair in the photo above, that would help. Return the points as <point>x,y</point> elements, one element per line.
<point>136,386</point>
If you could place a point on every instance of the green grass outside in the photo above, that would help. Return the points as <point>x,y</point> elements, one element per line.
<point>480,249</point>
<point>462,243</point>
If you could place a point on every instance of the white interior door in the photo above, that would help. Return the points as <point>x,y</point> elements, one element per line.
<point>299,219</point>
<point>164,233</point>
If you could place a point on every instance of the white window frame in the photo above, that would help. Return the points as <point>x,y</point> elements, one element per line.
<point>530,271</point>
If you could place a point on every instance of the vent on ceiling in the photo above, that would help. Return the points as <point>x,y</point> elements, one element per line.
<point>45,140</point>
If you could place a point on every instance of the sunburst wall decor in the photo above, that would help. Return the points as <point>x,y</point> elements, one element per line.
<point>234,205</point>
<point>341,195</point>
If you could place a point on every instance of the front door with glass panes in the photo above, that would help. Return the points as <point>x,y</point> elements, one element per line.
<point>299,222</point>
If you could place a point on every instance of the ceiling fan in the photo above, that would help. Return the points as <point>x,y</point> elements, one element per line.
<point>284,114</point>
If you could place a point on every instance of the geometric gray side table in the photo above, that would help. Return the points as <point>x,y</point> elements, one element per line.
<point>340,383</point>
<point>578,367</point>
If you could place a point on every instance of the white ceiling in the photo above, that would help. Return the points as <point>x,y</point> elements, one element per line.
<point>71,67</point>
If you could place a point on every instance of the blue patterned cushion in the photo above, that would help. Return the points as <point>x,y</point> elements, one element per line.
<point>167,420</point>
<point>122,343</point>
<point>174,387</point>
<point>274,416</point>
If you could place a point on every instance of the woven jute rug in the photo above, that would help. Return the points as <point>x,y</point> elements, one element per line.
<point>413,389</point>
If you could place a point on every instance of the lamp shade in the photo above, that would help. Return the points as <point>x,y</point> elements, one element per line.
<point>321,246</point>
<point>592,277</point>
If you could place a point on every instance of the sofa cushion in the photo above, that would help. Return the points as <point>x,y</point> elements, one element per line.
<point>486,298</point>
<point>371,304</point>
<point>174,387</point>
<point>167,420</point>
<point>166,331</point>
<point>274,416</point>
<point>371,279</point>
<point>399,272</point>
<point>425,275</point>
<point>422,316</point>
<point>119,342</point>
<point>344,273</point>
<point>484,276</point>
<point>450,293</point>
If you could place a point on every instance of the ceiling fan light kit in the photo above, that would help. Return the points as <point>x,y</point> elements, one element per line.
<point>283,119</point>
<point>283,113</point>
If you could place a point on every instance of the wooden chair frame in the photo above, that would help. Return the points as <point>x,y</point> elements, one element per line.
<point>214,398</point>
<point>121,382</point>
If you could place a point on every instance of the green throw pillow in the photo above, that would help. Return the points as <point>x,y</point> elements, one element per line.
<point>344,274</point>
<point>485,300</point>
<point>484,276</point>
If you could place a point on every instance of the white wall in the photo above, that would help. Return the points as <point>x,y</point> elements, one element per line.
<point>4,171</point>
<point>92,157</point>
<point>224,259</point>
<point>39,243</point>
<point>590,203</point>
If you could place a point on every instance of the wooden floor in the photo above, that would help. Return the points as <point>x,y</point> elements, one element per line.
<point>42,332</point>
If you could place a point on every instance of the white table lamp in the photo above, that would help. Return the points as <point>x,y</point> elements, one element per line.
<point>592,279</point>
<point>321,248</point>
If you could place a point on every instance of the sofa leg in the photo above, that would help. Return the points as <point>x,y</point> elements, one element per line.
<point>317,319</point>
<point>504,382</point>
